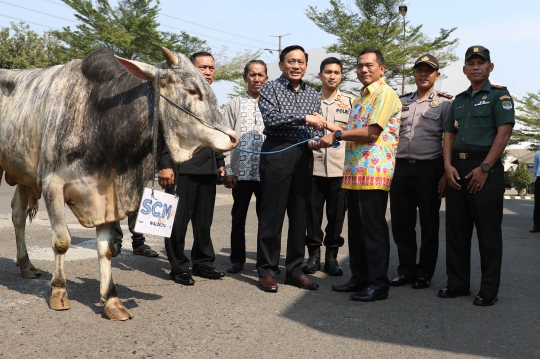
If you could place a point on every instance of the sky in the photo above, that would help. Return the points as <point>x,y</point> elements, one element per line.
<point>510,30</point>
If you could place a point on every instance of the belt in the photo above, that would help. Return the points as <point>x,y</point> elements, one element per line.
<point>469,155</point>
<point>285,139</point>
<point>412,160</point>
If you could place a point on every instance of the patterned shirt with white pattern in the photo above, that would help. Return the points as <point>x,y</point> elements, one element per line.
<point>243,116</point>
<point>284,109</point>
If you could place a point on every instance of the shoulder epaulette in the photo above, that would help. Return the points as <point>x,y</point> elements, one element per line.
<point>500,87</point>
<point>461,94</point>
<point>406,94</point>
<point>444,94</point>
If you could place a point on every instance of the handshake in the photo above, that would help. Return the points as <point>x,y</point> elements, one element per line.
<point>318,122</point>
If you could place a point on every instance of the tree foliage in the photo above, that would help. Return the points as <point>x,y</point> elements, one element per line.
<point>529,114</point>
<point>21,47</point>
<point>129,29</point>
<point>522,178</point>
<point>377,24</point>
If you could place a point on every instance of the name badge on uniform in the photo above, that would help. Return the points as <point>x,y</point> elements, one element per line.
<point>405,108</point>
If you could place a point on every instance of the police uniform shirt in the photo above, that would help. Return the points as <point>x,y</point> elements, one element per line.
<point>420,135</point>
<point>474,118</point>
<point>328,162</point>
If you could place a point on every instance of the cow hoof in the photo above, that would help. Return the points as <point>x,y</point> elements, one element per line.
<point>59,303</point>
<point>28,273</point>
<point>117,312</point>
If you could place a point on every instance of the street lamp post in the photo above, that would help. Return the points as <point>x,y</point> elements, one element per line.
<point>403,12</point>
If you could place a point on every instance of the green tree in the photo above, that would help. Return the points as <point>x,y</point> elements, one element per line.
<point>377,24</point>
<point>129,29</point>
<point>528,112</point>
<point>522,178</point>
<point>21,47</point>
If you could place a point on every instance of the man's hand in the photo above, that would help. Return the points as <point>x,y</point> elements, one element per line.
<point>315,121</point>
<point>313,145</point>
<point>326,141</point>
<point>230,181</point>
<point>452,177</point>
<point>166,178</point>
<point>478,178</point>
<point>221,171</point>
<point>442,186</point>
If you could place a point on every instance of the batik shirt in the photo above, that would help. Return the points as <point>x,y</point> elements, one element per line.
<point>243,116</point>
<point>284,109</point>
<point>370,165</point>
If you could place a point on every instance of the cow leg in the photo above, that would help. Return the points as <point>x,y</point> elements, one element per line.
<point>114,309</point>
<point>54,200</point>
<point>19,205</point>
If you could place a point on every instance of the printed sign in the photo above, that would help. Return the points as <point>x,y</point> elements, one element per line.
<point>156,214</point>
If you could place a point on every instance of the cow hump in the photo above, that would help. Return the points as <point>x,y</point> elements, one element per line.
<point>101,66</point>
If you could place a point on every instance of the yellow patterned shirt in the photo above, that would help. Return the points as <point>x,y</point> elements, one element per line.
<point>370,165</point>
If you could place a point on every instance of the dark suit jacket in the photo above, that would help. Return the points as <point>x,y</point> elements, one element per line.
<point>204,162</point>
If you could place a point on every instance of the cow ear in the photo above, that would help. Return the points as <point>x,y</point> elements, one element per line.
<point>171,58</point>
<point>139,69</point>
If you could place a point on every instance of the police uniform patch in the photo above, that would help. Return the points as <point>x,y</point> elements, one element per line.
<point>342,105</point>
<point>405,108</point>
<point>434,103</point>
<point>504,97</point>
<point>507,105</point>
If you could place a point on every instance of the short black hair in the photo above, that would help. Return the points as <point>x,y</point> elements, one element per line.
<point>288,49</point>
<point>331,60</point>
<point>380,57</point>
<point>198,54</point>
<point>260,62</point>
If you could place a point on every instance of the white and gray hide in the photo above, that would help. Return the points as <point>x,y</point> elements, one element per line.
<point>81,134</point>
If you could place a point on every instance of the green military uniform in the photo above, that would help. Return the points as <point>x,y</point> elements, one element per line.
<point>474,119</point>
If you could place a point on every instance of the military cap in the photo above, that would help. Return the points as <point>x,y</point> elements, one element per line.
<point>477,50</point>
<point>429,60</point>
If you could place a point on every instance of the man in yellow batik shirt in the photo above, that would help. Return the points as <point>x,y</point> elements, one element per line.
<point>372,138</point>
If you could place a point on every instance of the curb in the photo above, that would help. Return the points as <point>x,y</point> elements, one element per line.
<point>519,197</point>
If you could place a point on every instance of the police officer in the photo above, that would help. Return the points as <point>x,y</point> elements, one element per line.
<point>479,125</point>
<point>418,177</point>
<point>327,177</point>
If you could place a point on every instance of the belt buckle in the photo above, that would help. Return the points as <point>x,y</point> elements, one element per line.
<point>411,160</point>
<point>463,156</point>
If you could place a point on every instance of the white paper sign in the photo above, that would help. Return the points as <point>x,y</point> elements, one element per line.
<point>156,214</point>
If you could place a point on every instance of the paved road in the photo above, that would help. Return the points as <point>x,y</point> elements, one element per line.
<point>231,318</point>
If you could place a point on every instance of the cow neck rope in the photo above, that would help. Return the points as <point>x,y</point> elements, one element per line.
<point>155,125</point>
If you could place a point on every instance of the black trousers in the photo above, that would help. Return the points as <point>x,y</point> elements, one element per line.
<point>285,186</point>
<point>137,239</point>
<point>536,211</point>
<point>326,190</point>
<point>197,197</point>
<point>242,194</point>
<point>415,185</point>
<point>369,238</point>
<point>483,210</point>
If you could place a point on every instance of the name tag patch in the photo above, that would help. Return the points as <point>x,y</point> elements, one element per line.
<point>342,110</point>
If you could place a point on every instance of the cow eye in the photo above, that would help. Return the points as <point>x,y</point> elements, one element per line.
<point>193,92</point>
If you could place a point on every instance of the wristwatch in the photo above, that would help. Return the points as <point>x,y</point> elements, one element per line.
<point>486,167</point>
<point>337,135</point>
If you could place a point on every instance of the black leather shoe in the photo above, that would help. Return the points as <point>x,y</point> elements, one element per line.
<point>235,267</point>
<point>370,295</point>
<point>207,273</point>
<point>534,230</point>
<point>182,278</point>
<point>401,280</point>
<point>451,292</point>
<point>420,283</point>
<point>485,300</point>
<point>348,287</point>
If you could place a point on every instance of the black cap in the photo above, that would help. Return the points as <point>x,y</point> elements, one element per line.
<point>477,50</point>
<point>427,59</point>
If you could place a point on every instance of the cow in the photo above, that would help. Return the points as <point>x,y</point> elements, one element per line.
<point>81,134</point>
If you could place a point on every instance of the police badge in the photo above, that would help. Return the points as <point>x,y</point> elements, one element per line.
<point>434,103</point>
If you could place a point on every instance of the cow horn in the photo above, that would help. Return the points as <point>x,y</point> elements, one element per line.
<point>171,58</point>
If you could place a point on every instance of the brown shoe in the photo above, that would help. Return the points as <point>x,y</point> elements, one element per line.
<point>301,282</point>
<point>268,283</point>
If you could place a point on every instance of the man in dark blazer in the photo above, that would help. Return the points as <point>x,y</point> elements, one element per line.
<point>196,189</point>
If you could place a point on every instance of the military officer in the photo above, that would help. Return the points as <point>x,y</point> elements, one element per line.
<point>327,177</point>
<point>479,125</point>
<point>418,177</point>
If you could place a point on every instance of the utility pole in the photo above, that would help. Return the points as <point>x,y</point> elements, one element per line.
<point>403,12</point>
<point>279,48</point>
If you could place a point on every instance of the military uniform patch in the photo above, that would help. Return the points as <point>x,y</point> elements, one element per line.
<point>504,97</point>
<point>456,124</point>
<point>507,105</point>
<point>484,97</point>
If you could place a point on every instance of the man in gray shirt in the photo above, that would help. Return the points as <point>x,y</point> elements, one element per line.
<point>419,180</point>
